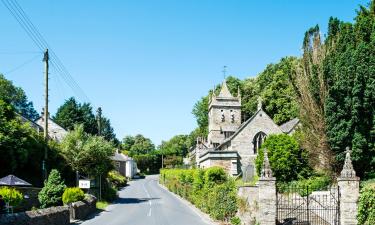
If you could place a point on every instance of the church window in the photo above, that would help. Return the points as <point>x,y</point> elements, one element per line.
<point>222,116</point>
<point>259,138</point>
<point>232,116</point>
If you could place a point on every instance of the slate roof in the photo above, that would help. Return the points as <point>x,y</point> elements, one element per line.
<point>289,126</point>
<point>120,157</point>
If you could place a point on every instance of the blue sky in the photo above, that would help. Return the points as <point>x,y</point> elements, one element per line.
<point>147,62</point>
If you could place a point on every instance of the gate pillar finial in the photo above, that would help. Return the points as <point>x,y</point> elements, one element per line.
<point>348,183</point>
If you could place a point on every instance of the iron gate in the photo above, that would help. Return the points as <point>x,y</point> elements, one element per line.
<point>300,205</point>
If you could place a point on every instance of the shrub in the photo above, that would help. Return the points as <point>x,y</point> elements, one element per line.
<point>235,221</point>
<point>366,206</point>
<point>11,196</point>
<point>215,175</point>
<point>53,189</point>
<point>73,194</point>
<point>210,190</point>
<point>116,179</point>
<point>109,194</point>
<point>314,183</point>
<point>222,201</point>
<point>287,160</point>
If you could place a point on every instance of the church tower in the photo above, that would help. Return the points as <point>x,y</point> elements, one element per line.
<point>224,115</point>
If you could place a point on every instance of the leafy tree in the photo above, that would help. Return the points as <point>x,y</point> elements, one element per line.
<point>72,113</point>
<point>200,111</point>
<point>127,142</point>
<point>53,189</point>
<point>17,98</point>
<point>288,162</point>
<point>177,145</point>
<point>142,145</point>
<point>86,153</point>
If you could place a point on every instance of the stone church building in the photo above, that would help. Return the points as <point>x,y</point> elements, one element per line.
<point>231,143</point>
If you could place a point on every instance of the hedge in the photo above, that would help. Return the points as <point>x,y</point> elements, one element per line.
<point>366,206</point>
<point>210,190</point>
<point>73,194</point>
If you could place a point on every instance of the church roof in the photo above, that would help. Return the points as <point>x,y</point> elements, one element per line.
<point>243,125</point>
<point>224,92</point>
<point>290,125</point>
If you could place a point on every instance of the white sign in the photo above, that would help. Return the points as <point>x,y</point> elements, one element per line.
<point>84,184</point>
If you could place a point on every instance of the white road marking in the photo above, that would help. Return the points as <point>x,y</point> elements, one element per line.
<point>149,200</point>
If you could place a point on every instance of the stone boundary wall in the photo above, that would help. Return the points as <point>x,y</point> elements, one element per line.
<point>249,213</point>
<point>55,215</point>
<point>81,209</point>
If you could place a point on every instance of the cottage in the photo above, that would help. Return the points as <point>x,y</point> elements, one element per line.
<point>124,164</point>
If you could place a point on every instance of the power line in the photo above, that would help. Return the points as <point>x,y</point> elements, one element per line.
<point>31,30</point>
<point>22,65</point>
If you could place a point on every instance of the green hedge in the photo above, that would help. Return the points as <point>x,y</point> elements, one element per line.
<point>211,190</point>
<point>366,206</point>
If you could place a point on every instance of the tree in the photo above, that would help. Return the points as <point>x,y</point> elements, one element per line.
<point>127,142</point>
<point>72,113</point>
<point>177,145</point>
<point>142,145</point>
<point>17,98</point>
<point>53,189</point>
<point>86,153</point>
<point>288,162</point>
<point>21,148</point>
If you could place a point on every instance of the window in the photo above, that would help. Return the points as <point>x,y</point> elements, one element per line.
<point>222,116</point>
<point>259,138</point>
<point>227,134</point>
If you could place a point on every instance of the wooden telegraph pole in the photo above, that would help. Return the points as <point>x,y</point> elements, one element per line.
<point>99,120</point>
<point>46,114</point>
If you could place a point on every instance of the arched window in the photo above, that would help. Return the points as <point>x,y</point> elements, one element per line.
<point>259,138</point>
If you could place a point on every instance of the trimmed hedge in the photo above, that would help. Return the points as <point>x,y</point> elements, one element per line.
<point>366,206</point>
<point>210,190</point>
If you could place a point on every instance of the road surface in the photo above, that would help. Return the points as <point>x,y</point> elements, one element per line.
<point>144,202</point>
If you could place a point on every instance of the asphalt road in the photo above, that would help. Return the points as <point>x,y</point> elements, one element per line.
<point>144,202</point>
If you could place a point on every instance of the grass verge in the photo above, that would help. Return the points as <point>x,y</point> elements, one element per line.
<point>101,205</point>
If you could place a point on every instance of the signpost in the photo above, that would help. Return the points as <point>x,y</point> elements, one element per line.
<point>84,184</point>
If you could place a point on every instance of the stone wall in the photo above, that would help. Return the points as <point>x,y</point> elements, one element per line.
<point>80,210</point>
<point>249,206</point>
<point>54,215</point>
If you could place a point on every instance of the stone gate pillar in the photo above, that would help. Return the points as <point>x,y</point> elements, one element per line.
<point>267,194</point>
<point>349,189</point>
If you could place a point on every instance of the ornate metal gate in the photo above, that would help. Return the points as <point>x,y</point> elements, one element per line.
<point>296,205</point>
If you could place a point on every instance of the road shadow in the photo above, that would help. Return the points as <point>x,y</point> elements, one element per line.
<point>132,200</point>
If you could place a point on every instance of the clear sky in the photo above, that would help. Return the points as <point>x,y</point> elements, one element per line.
<point>147,62</point>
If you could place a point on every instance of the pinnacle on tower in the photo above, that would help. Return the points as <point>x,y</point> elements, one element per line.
<point>224,92</point>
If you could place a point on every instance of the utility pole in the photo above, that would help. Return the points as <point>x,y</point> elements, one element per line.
<point>99,119</point>
<point>46,113</point>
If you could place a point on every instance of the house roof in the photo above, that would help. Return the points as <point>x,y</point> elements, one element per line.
<point>120,157</point>
<point>289,126</point>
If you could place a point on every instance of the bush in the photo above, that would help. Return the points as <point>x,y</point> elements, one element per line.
<point>287,160</point>
<point>315,183</point>
<point>116,179</point>
<point>73,194</point>
<point>53,189</point>
<point>366,206</point>
<point>11,196</point>
<point>222,201</point>
<point>210,190</point>
<point>109,194</point>
<point>215,175</point>
<point>235,221</point>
